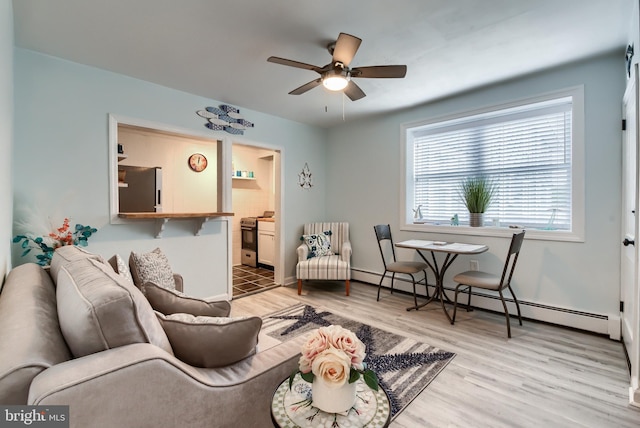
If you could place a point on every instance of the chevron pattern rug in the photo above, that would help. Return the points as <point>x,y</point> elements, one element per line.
<point>404,366</point>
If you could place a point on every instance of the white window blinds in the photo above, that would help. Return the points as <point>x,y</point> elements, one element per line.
<point>526,151</point>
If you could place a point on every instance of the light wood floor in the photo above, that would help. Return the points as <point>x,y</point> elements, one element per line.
<point>545,376</point>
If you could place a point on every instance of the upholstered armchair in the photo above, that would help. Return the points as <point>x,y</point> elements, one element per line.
<point>325,253</point>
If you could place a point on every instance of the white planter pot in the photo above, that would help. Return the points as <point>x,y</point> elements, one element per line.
<point>333,400</point>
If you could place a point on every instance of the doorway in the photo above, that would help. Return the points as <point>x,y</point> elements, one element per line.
<point>255,200</point>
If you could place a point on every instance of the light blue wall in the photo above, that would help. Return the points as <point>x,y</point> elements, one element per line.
<point>61,161</point>
<point>364,188</point>
<point>6,132</point>
<point>61,166</point>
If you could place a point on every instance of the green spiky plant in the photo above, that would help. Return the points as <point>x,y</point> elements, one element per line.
<point>476,193</point>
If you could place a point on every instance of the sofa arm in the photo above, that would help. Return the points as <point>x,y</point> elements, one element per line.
<point>30,336</point>
<point>345,255</point>
<point>303,252</point>
<point>179,282</point>
<point>140,385</point>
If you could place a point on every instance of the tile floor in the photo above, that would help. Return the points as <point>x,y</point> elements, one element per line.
<point>249,280</point>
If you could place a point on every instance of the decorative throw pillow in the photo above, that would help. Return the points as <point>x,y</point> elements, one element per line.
<point>120,267</point>
<point>151,267</point>
<point>99,310</point>
<point>169,301</point>
<point>318,244</point>
<point>211,341</point>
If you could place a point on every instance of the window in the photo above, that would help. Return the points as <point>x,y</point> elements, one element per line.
<point>532,151</point>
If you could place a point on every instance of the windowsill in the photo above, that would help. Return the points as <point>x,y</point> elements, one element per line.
<point>493,231</point>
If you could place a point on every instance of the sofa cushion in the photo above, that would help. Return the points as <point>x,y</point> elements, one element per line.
<point>67,254</point>
<point>169,301</point>
<point>211,341</point>
<point>99,310</point>
<point>151,267</point>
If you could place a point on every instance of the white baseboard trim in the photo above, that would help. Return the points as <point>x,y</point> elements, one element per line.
<point>290,280</point>
<point>597,323</point>
<point>634,397</point>
<point>615,327</point>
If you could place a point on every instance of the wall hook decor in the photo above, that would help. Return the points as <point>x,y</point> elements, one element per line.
<point>304,178</point>
<point>225,118</point>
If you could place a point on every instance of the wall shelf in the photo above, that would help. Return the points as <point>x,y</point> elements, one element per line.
<point>244,178</point>
<point>163,218</point>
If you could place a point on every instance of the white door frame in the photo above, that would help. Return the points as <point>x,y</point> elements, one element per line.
<point>278,272</point>
<point>630,327</point>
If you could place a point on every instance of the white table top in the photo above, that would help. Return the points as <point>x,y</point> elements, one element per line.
<point>444,247</point>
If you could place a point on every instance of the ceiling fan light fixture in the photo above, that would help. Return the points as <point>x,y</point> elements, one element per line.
<point>336,80</point>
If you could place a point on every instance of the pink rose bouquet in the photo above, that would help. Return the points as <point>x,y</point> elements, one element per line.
<point>336,355</point>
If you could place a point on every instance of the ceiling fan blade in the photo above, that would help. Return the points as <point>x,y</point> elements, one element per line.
<point>306,87</point>
<point>380,71</point>
<point>346,48</point>
<point>296,64</point>
<point>354,92</point>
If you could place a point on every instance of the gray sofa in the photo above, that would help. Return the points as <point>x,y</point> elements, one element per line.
<point>120,382</point>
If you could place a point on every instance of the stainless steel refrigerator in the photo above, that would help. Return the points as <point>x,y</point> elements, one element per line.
<point>141,189</point>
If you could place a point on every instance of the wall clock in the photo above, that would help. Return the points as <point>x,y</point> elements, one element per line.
<point>197,162</point>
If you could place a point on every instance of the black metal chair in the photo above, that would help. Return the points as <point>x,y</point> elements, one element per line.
<point>383,235</point>
<point>488,281</point>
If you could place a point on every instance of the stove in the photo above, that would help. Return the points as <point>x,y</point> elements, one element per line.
<point>249,230</point>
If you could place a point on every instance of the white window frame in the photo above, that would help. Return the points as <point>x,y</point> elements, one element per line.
<point>577,232</point>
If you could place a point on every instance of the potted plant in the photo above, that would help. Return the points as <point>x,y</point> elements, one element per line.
<point>476,193</point>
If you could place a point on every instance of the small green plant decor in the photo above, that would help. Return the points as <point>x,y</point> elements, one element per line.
<point>62,236</point>
<point>476,193</point>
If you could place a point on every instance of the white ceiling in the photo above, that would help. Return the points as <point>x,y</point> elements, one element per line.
<point>219,49</point>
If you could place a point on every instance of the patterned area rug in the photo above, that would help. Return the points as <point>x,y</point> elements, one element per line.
<point>404,366</point>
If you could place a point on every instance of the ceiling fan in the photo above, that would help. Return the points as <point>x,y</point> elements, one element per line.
<point>336,76</point>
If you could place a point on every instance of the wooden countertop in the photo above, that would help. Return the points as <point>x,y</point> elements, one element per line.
<point>173,215</point>
<point>161,219</point>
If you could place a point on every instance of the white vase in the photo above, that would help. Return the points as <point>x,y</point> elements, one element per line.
<point>333,400</point>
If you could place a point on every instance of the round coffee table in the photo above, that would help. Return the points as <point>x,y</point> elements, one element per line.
<point>293,408</point>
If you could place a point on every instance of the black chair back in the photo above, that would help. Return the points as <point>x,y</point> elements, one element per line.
<point>512,259</point>
<point>383,233</point>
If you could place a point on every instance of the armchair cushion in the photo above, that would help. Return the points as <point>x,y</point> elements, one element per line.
<point>211,341</point>
<point>99,310</point>
<point>326,267</point>
<point>151,267</point>
<point>318,244</point>
<point>169,301</point>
